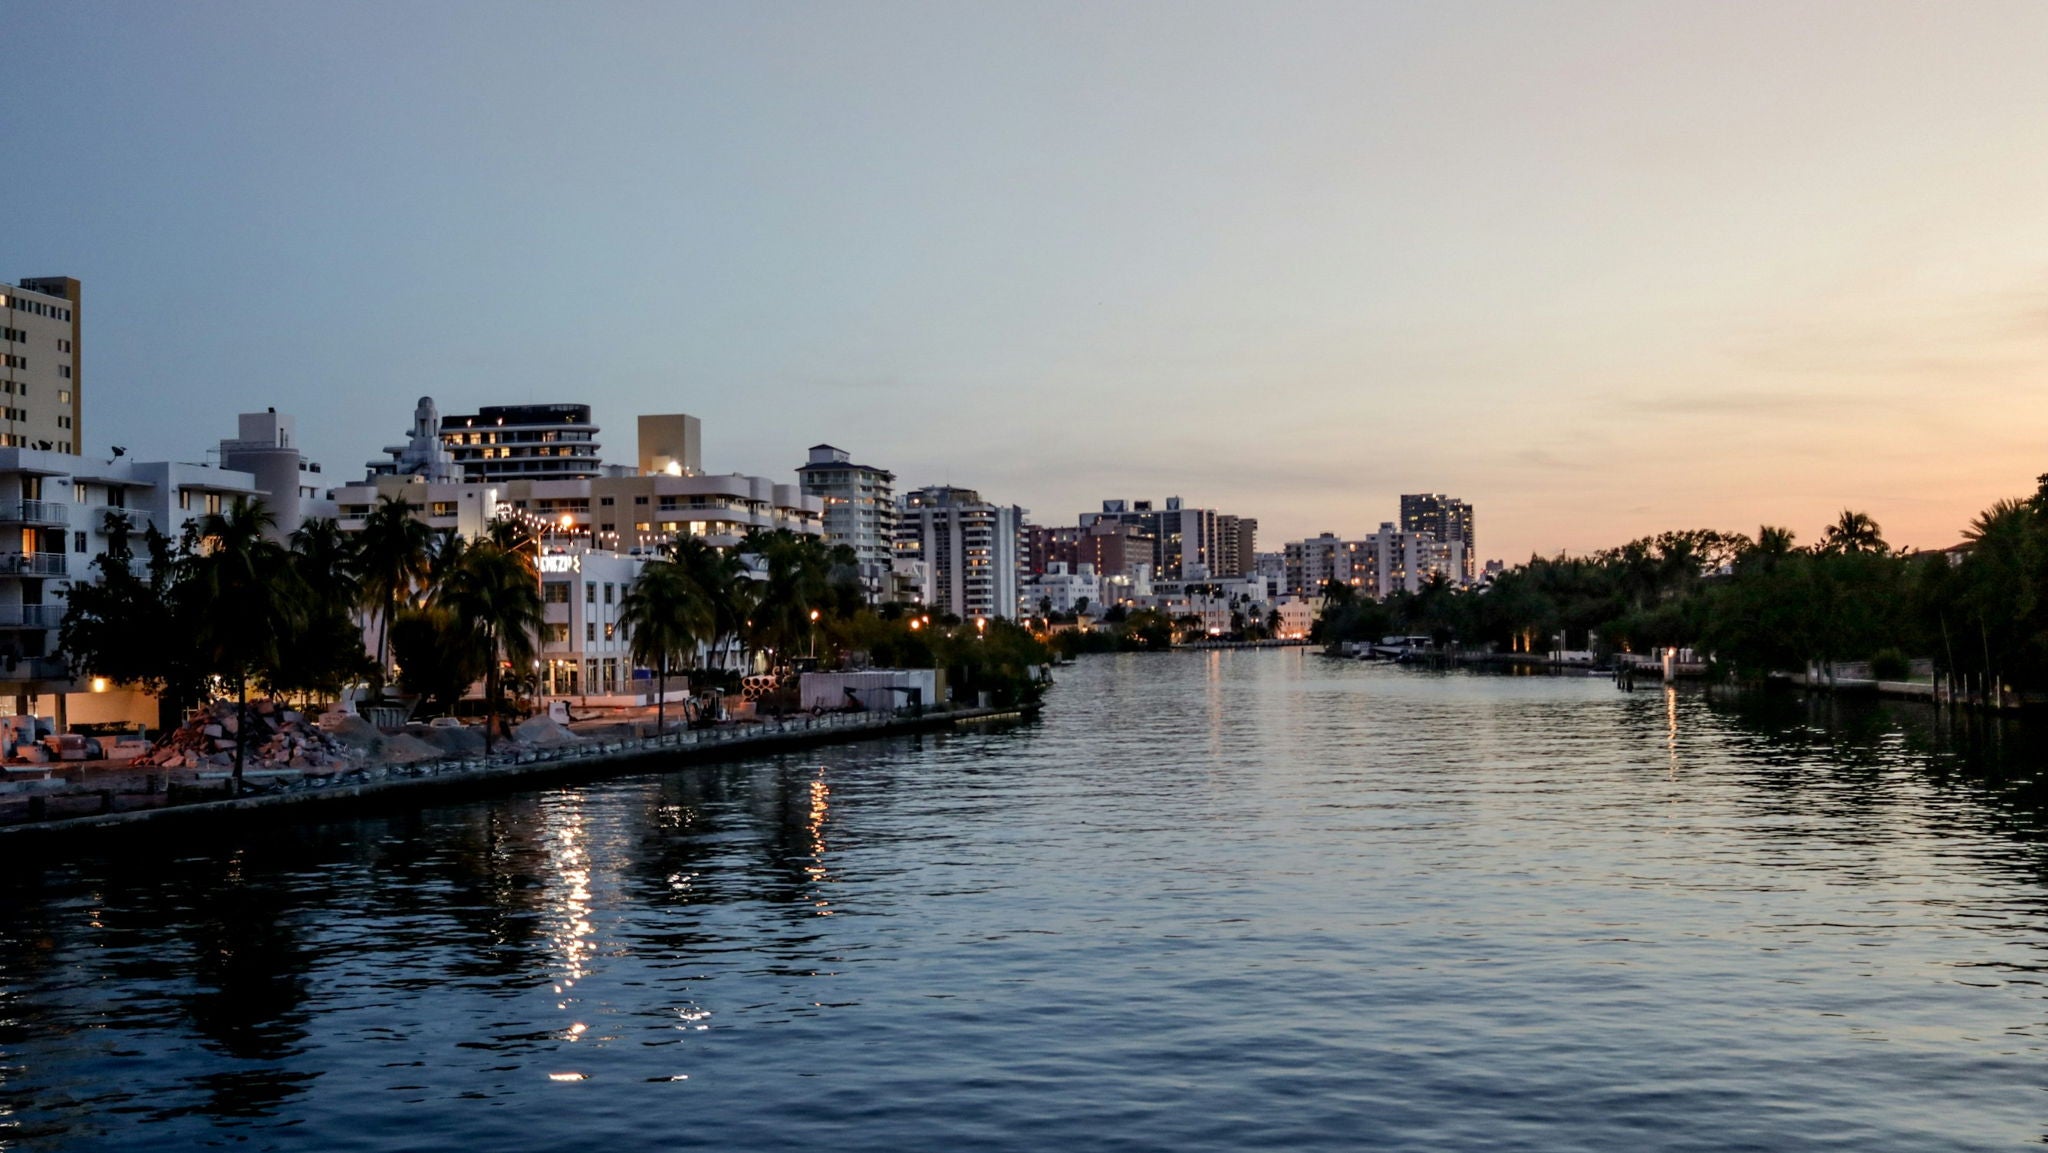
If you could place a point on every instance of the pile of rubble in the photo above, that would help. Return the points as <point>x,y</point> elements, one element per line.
<point>278,738</point>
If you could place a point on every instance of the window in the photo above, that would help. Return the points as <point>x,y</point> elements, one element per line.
<point>63,396</point>
<point>558,634</point>
<point>610,630</point>
<point>590,632</point>
<point>604,501</point>
<point>639,500</point>
<point>590,593</point>
<point>213,503</point>
<point>78,542</point>
<point>554,592</point>
<point>64,370</point>
<point>607,592</point>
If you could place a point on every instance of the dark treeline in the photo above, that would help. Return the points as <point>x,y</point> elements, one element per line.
<point>1757,605</point>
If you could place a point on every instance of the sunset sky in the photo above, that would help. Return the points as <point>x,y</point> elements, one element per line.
<point>1601,269</point>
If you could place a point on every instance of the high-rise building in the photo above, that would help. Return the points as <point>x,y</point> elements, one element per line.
<point>39,373</point>
<point>1048,545</point>
<point>860,511</point>
<point>1446,518</point>
<point>1236,546</point>
<point>524,442</point>
<point>964,547</point>
<point>1188,540</point>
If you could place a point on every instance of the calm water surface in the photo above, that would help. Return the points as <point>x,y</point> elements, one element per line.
<point>1250,900</point>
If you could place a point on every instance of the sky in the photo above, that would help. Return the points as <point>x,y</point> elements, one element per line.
<point>1600,269</point>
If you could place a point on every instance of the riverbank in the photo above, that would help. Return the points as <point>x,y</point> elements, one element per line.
<point>461,777</point>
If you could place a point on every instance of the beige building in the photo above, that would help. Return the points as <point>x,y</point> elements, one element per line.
<point>617,508</point>
<point>39,372</point>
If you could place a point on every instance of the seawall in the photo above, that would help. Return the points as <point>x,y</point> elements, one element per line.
<point>506,772</point>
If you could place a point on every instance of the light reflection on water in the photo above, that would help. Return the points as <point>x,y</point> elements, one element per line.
<point>1219,900</point>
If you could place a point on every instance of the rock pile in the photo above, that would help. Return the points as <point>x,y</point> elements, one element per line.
<point>278,738</point>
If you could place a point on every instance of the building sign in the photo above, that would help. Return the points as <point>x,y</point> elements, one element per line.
<point>559,563</point>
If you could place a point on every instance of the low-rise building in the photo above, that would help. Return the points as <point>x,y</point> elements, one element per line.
<point>54,516</point>
<point>1061,591</point>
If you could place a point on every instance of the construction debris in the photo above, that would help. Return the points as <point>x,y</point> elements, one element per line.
<point>277,738</point>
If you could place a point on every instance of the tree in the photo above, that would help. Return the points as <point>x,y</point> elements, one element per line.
<point>1853,532</point>
<point>665,617</point>
<point>328,652</point>
<point>393,549</point>
<point>720,579</point>
<point>797,572</point>
<point>129,628</point>
<point>244,600</point>
<point>495,593</point>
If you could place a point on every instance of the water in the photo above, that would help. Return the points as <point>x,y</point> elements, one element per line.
<point>1213,901</point>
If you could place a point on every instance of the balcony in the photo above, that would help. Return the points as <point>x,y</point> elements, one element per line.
<point>18,669</point>
<point>31,616</point>
<point>34,512</point>
<point>33,564</point>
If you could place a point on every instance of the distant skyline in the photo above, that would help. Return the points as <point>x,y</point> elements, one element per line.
<point>1600,269</point>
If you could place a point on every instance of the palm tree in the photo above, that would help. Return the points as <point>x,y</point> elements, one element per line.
<point>393,549</point>
<point>495,593</point>
<point>798,572</point>
<point>328,652</point>
<point>1853,532</point>
<point>664,616</point>
<point>246,601</point>
<point>721,580</point>
<point>327,561</point>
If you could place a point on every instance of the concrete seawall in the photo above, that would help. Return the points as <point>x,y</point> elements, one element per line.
<point>507,772</point>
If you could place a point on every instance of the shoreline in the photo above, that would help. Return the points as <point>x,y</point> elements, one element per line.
<point>526,768</point>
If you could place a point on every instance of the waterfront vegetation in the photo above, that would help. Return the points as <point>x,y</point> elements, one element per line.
<point>1761,604</point>
<point>224,609</point>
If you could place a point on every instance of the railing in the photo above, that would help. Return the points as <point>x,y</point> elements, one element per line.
<point>32,563</point>
<point>34,512</point>
<point>31,616</point>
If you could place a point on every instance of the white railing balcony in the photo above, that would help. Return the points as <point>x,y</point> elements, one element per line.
<point>34,512</point>
<point>32,563</point>
<point>31,616</point>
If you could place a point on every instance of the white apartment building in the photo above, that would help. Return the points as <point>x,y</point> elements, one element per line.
<point>584,651</point>
<point>54,510</point>
<point>266,447</point>
<point>1066,590</point>
<point>860,511</point>
<point>40,400</point>
<point>1377,566</point>
<point>966,547</point>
